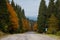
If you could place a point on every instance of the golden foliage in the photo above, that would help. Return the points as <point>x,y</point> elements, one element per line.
<point>52,24</point>
<point>26,24</point>
<point>35,27</point>
<point>13,16</point>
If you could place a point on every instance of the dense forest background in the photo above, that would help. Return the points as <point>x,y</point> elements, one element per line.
<point>49,17</point>
<point>13,19</point>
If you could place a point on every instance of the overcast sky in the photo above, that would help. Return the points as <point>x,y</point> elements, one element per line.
<point>30,6</point>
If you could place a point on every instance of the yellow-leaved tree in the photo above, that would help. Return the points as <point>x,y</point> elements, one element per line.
<point>35,26</point>
<point>13,16</point>
<point>26,25</point>
<point>52,24</point>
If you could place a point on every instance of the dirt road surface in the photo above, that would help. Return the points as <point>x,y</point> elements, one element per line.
<point>28,36</point>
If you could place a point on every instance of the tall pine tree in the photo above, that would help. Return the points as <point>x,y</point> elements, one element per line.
<point>20,18</point>
<point>42,16</point>
<point>52,24</point>
<point>12,3</point>
<point>4,16</point>
<point>57,4</point>
<point>51,8</point>
<point>23,14</point>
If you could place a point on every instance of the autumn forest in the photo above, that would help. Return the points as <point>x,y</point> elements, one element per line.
<point>13,19</point>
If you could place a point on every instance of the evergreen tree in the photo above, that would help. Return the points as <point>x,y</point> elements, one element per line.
<point>42,16</point>
<point>23,14</point>
<point>4,16</point>
<point>19,14</point>
<point>51,8</point>
<point>57,4</point>
<point>13,4</point>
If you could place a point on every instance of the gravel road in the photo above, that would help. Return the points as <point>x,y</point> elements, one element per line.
<point>28,36</point>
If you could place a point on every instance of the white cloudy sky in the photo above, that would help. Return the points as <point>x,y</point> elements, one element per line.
<point>30,6</point>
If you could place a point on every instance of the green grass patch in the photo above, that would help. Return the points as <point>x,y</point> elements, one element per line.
<point>54,36</point>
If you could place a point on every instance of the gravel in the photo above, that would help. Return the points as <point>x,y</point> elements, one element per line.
<point>28,36</point>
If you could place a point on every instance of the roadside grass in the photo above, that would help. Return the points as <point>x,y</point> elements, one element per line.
<point>54,36</point>
<point>2,34</point>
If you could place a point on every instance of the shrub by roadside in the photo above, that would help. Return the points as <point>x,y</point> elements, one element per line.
<point>58,33</point>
